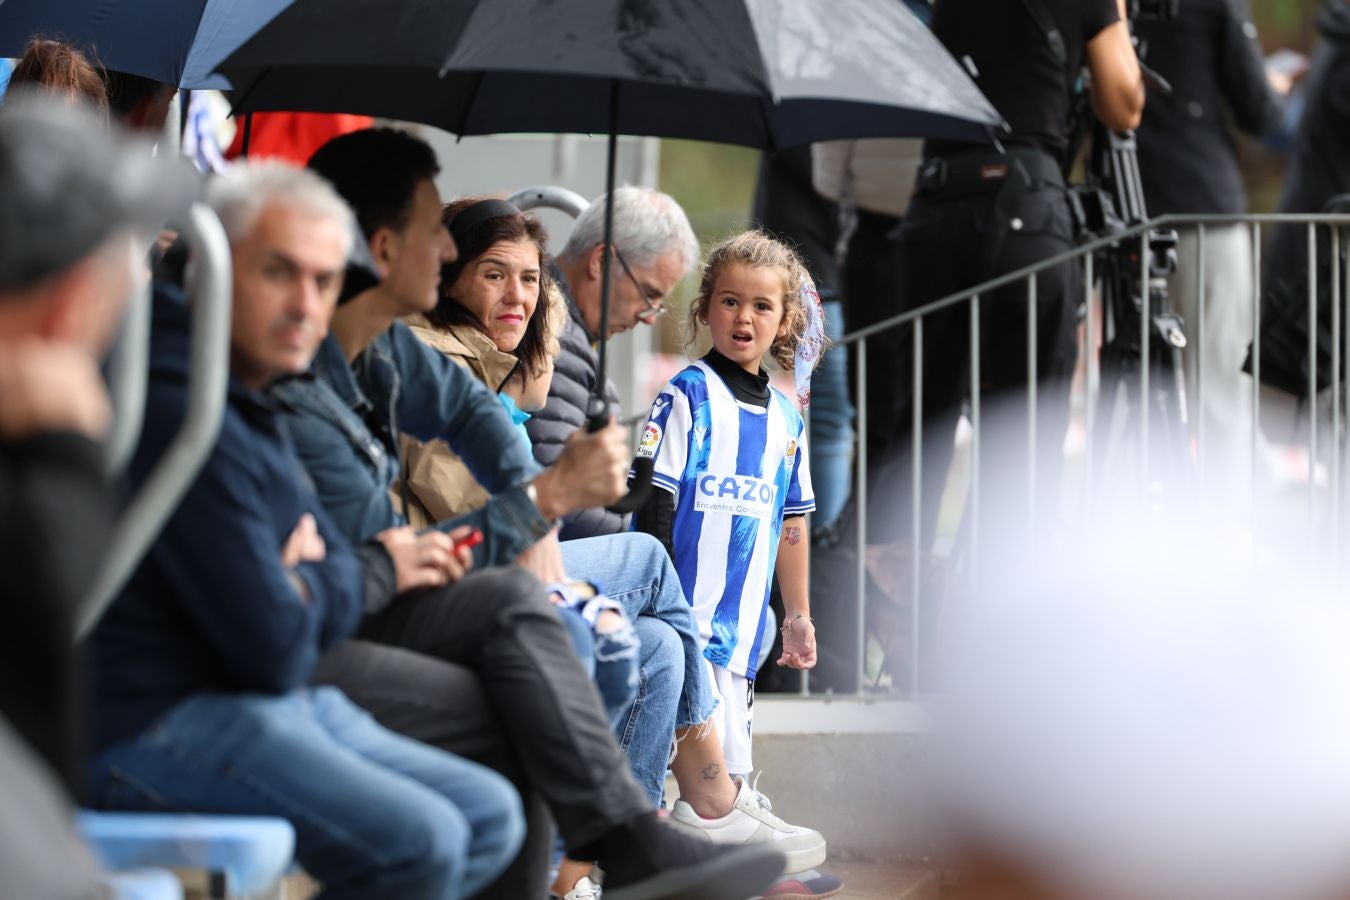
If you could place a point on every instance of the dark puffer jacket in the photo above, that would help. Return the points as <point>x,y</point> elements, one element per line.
<point>573,379</point>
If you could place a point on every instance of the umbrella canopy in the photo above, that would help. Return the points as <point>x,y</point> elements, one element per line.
<point>172,41</point>
<point>763,73</point>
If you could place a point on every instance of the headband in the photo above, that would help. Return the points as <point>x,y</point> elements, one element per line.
<point>478,213</point>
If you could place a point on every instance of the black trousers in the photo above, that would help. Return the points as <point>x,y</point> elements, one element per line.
<point>444,705</point>
<point>499,624</point>
<point>948,244</point>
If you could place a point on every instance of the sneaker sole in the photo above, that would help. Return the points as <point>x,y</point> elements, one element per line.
<point>801,860</point>
<point>802,896</point>
<point>735,875</point>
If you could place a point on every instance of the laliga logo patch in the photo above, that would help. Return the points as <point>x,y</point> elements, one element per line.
<point>651,439</point>
<point>791,450</point>
<point>738,495</point>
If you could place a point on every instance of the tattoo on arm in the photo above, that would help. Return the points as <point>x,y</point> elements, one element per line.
<point>794,534</point>
<point>710,772</point>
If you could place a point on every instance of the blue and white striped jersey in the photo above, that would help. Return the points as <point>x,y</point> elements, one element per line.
<point>735,471</point>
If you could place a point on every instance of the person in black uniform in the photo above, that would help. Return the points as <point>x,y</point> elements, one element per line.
<point>1318,180</point>
<point>982,210</point>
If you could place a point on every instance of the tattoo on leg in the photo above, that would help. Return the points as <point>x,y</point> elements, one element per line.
<point>794,534</point>
<point>711,771</point>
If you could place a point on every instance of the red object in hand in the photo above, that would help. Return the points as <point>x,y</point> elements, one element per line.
<point>471,540</point>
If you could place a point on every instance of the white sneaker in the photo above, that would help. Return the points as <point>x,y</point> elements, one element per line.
<point>585,889</point>
<point>751,820</point>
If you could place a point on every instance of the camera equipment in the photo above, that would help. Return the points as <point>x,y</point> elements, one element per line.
<point>1133,276</point>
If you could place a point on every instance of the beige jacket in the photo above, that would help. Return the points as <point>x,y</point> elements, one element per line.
<point>438,483</point>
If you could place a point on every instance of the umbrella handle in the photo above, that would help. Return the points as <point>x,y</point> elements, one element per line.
<point>640,484</point>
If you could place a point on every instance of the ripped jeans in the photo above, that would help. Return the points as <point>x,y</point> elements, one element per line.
<point>609,657</point>
<point>673,689</point>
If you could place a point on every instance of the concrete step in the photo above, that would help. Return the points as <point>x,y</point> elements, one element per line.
<point>875,880</point>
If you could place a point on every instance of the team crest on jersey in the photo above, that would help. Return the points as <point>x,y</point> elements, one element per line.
<point>651,439</point>
<point>739,495</point>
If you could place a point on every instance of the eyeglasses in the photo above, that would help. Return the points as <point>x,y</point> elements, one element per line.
<point>655,308</point>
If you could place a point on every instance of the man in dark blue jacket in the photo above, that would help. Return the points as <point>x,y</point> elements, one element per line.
<point>201,661</point>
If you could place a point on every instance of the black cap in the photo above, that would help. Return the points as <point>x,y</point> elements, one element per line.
<point>68,182</point>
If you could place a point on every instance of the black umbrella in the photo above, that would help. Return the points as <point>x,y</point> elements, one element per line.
<point>763,73</point>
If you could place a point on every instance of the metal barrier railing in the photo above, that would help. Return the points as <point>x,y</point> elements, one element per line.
<point>1316,443</point>
<point>162,490</point>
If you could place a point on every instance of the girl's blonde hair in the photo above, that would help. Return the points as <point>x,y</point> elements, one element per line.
<point>757,249</point>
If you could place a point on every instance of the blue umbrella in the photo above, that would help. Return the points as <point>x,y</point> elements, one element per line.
<point>171,41</point>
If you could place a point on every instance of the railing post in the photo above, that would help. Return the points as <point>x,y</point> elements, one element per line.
<point>1334,456</point>
<point>1031,405</point>
<point>1345,298</point>
<point>1199,351</point>
<point>1254,447</point>
<point>860,593</point>
<point>975,437</point>
<point>1312,374</point>
<point>1090,354</point>
<point>915,509</point>
<point>1145,339</point>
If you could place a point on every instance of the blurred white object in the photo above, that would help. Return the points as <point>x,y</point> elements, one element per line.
<point>1143,712</point>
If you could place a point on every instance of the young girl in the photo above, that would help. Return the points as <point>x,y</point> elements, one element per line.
<point>731,470</point>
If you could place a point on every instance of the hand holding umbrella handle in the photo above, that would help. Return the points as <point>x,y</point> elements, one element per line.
<point>640,484</point>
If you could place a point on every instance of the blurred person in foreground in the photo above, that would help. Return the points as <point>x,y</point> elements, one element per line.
<point>1188,163</point>
<point>980,211</point>
<point>1146,708</point>
<point>77,206</point>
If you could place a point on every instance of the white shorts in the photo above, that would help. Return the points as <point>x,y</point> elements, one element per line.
<point>734,716</point>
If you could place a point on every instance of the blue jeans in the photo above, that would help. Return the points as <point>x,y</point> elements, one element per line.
<point>376,815</point>
<point>831,425</point>
<point>609,658</point>
<point>673,689</point>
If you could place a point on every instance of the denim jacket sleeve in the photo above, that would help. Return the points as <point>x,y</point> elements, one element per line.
<point>438,399</point>
<point>348,466</point>
<point>510,523</point>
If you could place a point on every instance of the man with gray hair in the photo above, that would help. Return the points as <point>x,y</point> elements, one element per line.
<point>653,248</point>
<point>202,660</point>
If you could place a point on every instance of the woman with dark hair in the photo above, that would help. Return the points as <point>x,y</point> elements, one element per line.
<point>499,317</point>
<point>485,320</point>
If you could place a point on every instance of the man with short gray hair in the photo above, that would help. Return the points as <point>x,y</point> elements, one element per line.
<point>203,658</point>
<point>653,249</point>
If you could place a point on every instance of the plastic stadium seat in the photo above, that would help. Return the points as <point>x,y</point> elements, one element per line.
<point>244,854</point>
<point>145,884</point>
